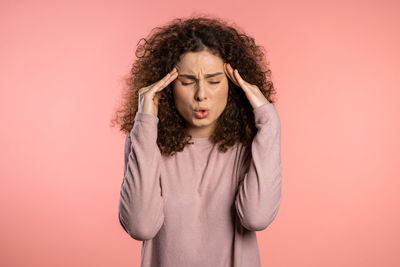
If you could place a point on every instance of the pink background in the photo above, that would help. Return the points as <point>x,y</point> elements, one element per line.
<point>336,69</point>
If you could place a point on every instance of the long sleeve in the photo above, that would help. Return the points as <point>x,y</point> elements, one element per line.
<point>259,192</point>
<point>141,203</point>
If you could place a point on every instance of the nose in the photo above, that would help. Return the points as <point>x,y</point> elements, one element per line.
<point>200,94</point>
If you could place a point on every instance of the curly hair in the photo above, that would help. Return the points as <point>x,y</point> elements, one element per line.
<point>161,51</point>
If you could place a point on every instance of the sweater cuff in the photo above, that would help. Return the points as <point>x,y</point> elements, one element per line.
<point>146,117</point>
<point>148,121</point>
<point>265,113</point>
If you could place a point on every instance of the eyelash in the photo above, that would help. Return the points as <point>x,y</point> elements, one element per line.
<point>192,83</point>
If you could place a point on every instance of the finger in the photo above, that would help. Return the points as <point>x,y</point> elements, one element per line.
<point>239,78</point>
<point>245,85</point>
<point>165,78</point>
<point>227,72</point>
<point>230,74</point>
<point>173,75</point>
<point>157,86</point>
<point>154,85</point>
<point>156,98</point>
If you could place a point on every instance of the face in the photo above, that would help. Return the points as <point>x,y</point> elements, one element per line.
<point>201,83</point>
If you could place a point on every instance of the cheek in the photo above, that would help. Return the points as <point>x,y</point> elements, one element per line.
<point>222,93</point>
<point>180,96</point>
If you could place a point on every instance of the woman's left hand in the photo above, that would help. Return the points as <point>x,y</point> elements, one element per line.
<point>253,93</point>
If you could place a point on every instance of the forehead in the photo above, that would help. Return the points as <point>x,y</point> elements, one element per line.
<point>204,61</point>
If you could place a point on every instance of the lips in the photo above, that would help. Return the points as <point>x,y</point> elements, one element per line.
<point>201,112</point>
<point>201,109</point>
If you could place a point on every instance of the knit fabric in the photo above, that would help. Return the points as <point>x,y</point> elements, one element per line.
<point>200,207</point>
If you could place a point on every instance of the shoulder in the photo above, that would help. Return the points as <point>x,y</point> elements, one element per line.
<point>127,144</point>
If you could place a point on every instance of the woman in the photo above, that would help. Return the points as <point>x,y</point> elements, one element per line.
<point>202,166</point>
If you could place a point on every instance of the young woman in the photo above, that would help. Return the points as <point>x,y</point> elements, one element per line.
<point>202,169</point>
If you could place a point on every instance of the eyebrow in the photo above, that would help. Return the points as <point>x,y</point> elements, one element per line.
<point>194,77</point>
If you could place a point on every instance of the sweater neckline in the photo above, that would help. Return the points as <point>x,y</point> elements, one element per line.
<point>201,140</point>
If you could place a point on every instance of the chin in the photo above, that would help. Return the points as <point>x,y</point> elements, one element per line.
<point>201,122</point>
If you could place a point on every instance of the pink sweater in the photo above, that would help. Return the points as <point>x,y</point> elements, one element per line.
<point>200,207</point>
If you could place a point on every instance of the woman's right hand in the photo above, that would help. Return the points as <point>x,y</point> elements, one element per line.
<point>150,95</point>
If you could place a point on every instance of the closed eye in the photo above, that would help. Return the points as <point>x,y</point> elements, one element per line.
<point>192,83</point>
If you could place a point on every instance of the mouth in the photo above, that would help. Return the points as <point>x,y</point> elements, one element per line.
<point>201,109</point>
<point>201,112</point>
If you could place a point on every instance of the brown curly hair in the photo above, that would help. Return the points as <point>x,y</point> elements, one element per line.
<point>161,51</point>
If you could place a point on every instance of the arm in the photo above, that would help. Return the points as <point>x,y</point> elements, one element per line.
<point>259,192</point>
<point>141,203</point>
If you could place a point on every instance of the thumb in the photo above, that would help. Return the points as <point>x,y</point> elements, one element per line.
<point>157,98</point>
